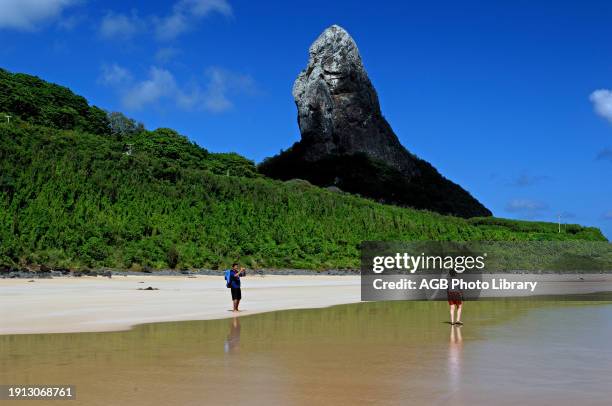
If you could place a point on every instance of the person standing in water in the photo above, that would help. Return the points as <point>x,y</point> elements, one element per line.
<point>455,300</point>
<point>234,284</point>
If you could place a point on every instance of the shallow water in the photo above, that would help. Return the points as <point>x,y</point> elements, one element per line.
<point>508,352</point>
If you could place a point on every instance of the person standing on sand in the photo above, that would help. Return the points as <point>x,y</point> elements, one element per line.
<point>234,283</point>
<point>455,300</point>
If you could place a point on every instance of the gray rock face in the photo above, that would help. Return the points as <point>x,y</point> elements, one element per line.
<point>347,144</point>
<point>338,108</point>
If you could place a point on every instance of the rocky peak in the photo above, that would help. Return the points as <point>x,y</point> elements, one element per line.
<point>347,143</point>
<point>338,108</point>
<point>334,58</point>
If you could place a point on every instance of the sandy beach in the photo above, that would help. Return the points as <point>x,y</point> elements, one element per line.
<point>93,304</point>
<point>89,304</point>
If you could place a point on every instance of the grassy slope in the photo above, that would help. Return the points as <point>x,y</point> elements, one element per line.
<point>70,196</point>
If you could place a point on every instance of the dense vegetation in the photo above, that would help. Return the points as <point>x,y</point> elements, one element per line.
<point>80,188</point>
<point>360,174</point>
<point>47,104</point>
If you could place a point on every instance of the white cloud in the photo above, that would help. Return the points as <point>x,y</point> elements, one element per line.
<point>216,99</point>
<point>121,26</point>
<point>185,14</point>
<point>201,8</point>
<point>27,15</point>
<point>215,95</point>
<point>114,75</point>
<point>528,208</point>
<point>161,84</point>
<point>602,102</point>
<point>221,84</point>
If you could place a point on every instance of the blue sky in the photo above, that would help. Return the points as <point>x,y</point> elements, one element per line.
<point>509,99</point>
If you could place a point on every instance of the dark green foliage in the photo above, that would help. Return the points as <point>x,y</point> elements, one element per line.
<point>44,103</point>
<point>367,177</point>
<point>538,229</point>
<point>172,152</point>
<point>231,164</point>
<point>173,257</point>
<point>75,197</point>
<point>69,198</point>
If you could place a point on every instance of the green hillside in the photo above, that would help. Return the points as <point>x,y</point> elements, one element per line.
<point>80,188</point>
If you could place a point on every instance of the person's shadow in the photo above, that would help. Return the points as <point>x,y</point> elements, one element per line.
<point>232,342</point>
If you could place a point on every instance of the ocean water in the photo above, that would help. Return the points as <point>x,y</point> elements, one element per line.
<point>508,352</point>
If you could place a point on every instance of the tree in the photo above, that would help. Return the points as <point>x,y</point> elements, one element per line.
<point>122,126</point>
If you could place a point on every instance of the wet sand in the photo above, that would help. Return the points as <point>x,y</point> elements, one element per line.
<point>90,304</point>
<point>509,352</point>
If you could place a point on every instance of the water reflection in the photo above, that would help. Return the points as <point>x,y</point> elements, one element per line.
<point>232,342</point>
<point>379,352</point>
<point>455,353</point>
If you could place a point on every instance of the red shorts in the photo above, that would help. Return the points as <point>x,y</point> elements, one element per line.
<point>454,297</point>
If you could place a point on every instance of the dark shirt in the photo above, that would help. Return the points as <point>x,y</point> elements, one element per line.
<point>235,279</point>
